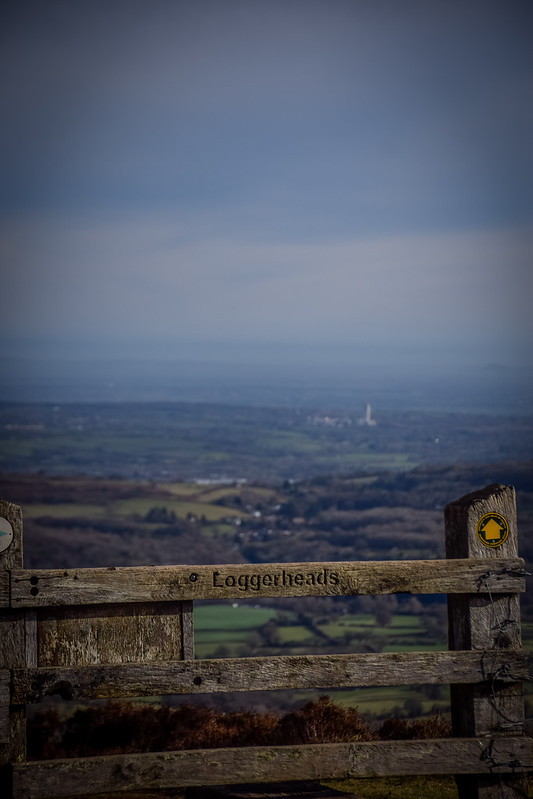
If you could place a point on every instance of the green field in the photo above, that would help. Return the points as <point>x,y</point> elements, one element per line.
<point>399,625</point>
<point>225,629</point>
<point>227,626</point>
<point>140,507</point>
<point>65,510</point>
<point>385,702</point>
<point>297,636</point>
<point>229,618</point>
<point>195,500</point>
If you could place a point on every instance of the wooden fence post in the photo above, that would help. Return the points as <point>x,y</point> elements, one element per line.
<point>15,637</point>
<point>483,525</point>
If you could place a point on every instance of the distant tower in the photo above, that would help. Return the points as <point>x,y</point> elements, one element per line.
<point>367,418</point>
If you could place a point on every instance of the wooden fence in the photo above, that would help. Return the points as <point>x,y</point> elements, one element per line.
<point>128,632</point>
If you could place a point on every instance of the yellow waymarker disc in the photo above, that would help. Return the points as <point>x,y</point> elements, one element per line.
<point>492,529</point>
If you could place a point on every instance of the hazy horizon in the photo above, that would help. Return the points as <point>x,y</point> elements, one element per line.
<point>345,381</point>
<point>296,185</point>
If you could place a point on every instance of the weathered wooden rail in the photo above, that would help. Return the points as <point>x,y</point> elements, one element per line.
<point>127,632</point>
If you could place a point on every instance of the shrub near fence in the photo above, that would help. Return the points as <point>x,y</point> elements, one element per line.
<point>128,632</point>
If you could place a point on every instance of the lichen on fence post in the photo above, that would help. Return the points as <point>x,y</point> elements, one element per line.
<point>483,525</point>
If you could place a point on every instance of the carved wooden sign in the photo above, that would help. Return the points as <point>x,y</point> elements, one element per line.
<point>274,578</point>
<point>57,587</point>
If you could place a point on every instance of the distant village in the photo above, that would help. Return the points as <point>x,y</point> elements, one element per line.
<point>344,421</point>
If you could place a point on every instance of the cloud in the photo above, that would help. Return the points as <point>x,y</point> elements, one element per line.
<point>399,115</point>
<point>297,170</point>
<point>148,279</point>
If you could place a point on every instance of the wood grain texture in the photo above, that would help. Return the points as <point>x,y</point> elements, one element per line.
<point>187,630</point>
<point>485,622</point>
<point>461,518</point>
<point>54,587</point>
<point>59,778</point>
<point>5,701</point>
<point>110,634</point>
<point>268,673</point>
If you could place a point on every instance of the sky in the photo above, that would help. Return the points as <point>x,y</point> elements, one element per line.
<point>245,179</point>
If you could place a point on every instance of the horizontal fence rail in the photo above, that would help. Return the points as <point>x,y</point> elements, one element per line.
<point>42,587</point>
<point>268,674</point>
<point>83,776</point>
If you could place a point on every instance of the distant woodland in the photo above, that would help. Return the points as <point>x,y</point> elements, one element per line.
<point>169,442</point>
<point>83,521</point>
